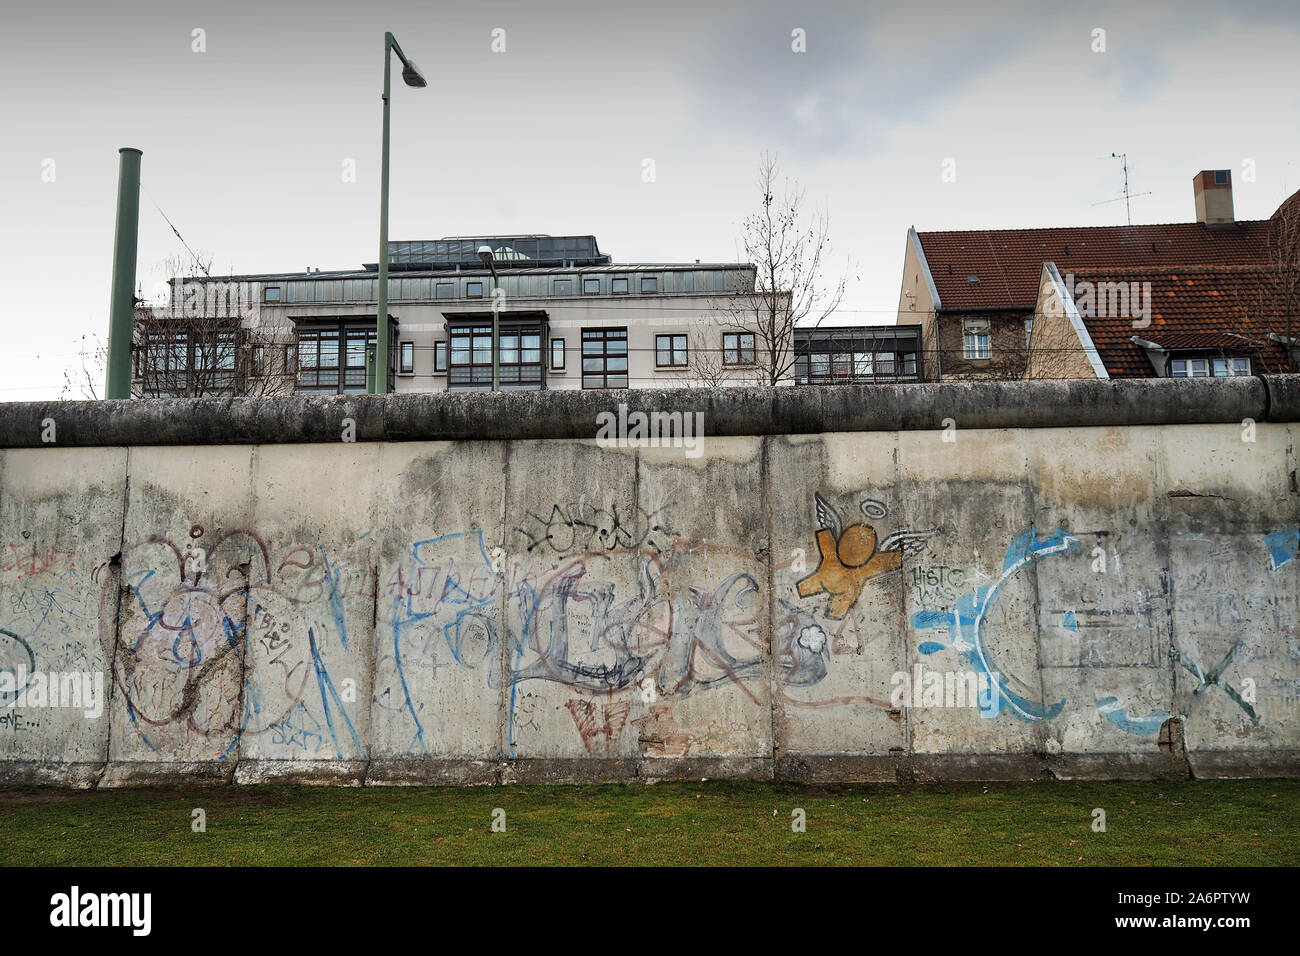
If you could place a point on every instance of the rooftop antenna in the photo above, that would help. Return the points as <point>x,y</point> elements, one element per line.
<point>1128,211</point>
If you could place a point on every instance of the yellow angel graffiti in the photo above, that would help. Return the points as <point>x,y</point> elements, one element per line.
<point>849,557</point>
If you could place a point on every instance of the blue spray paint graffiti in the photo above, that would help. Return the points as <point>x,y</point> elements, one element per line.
<point>965,621</point>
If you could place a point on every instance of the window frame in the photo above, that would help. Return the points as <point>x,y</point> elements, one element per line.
<point>587,282</point>
<point>402,367</point>
<point>560,343</point>
<point>440,357</point>
<point>654,281</point>
<point>349,378</point>
<point>1208,361</point>
<point>266,295</point>
<point>605,336</point>
<point>976,345</point>
<point>614,283</point>
<point>739,348</point>
<point>672,350</point>
<point>475,373</point>
<point>469,285</point>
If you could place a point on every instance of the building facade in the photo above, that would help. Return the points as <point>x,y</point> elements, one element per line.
<point>1218,296</point>
<point>568,316</point>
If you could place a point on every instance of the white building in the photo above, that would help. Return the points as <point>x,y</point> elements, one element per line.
<point>569,317</point>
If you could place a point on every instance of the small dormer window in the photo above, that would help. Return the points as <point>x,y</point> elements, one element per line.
<point>1209,367</point>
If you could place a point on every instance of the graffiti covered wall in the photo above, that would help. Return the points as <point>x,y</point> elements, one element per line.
<point>1124,599</point>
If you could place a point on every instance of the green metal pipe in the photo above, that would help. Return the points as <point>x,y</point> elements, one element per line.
<point>121,316</point>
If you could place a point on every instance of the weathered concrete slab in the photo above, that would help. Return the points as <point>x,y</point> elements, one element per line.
<point>538,606</point>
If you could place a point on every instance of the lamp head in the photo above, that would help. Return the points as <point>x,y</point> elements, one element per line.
<point>412,75</point>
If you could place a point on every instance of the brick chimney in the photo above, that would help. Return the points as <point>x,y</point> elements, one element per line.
<point>1213,190</point>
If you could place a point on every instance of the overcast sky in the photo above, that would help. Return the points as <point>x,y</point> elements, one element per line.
<point>246,144</point>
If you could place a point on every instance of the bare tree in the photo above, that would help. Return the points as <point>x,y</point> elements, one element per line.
<point>85,377</point>
<point>705,359</point>
<point>207,341</point>
<point>788,246</point>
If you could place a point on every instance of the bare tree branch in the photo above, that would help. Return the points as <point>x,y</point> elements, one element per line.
<point>788,247</point>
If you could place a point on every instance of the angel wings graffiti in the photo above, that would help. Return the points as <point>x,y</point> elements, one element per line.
<point>850,556</point>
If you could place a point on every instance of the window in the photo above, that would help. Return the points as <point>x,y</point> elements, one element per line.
<point>591,287</point>
<point>562,287</point>
<point>604,358</point>
<point>649,284</point>
<point>670,351</point>
<point>189,362</point>
<point>440,356</point>
<point>557,354</point>
<point>406,364</point>
<point>975,340</point>
<point>519,358</point>
<point>618,285</point>
<point>847,358</point>
<point>1220,177</point>
<point>288,358</point>
<point>738,348</point>
<point>271,293</point>
<point>445,290</point>
<point>1029,331</point>
<point>473,290</point>
<point>354,371</point>
<point>333,359</point>
<point>1224,367</point>
<point>1189,368</point>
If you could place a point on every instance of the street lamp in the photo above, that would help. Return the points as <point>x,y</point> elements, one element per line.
<point>413,77</point>
<point>485,253</point>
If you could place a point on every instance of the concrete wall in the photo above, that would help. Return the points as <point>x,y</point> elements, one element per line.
<point>263,599</point>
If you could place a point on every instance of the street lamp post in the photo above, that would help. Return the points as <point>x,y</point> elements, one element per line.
<point>413,77</point>
<point>485,253</point>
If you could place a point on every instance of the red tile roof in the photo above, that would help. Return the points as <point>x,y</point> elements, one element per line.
<point>1008,261</point>
<point>1215,308</point>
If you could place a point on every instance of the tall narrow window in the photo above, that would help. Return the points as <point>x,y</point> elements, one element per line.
<point>440,356</point>
<point>557,354</point>
<point>604,358</point>
<point>407,365</point>
<point>975,340</point>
